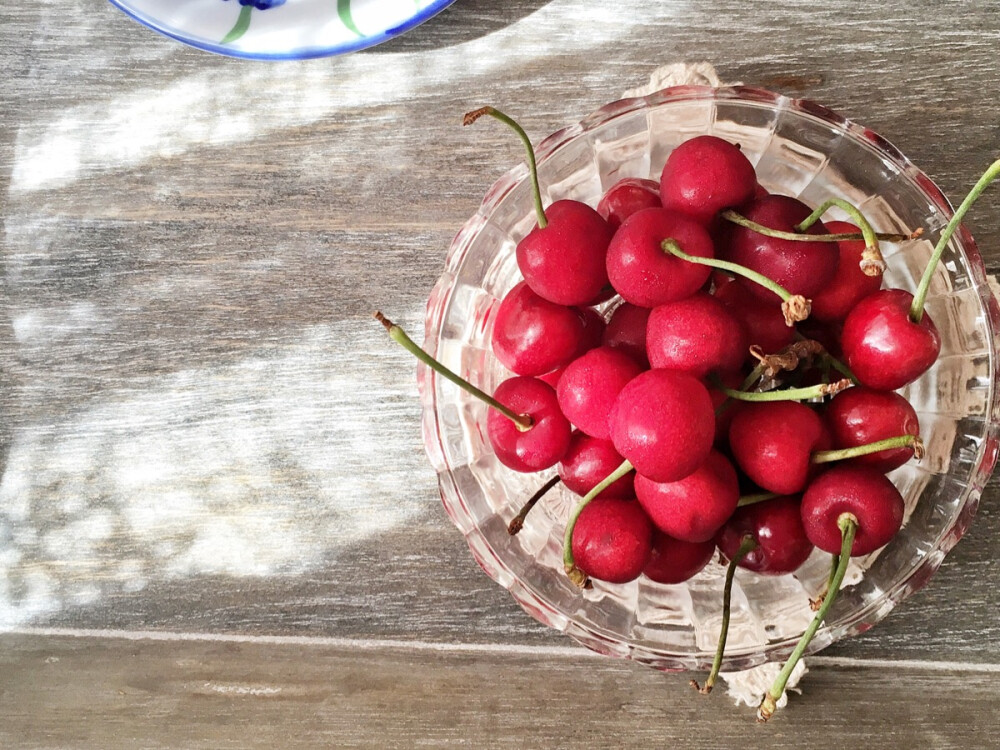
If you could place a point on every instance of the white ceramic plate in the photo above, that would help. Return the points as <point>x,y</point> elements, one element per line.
<point>281,29</point>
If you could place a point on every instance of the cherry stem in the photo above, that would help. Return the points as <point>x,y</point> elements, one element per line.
<point>795,307</point>
<point>758,497</point>
<point>471,117</point>
<point>747,545</point>
<point>735,218</point>
<point>815,604</point>
<point>848,525</point>
<point>789,394</point>
<point>833,361</point>
<point>900,441</point>
<point>575,574</point>
<point>517,522</point>
<point>917,306</point>
<point>397,334</point>
<point>872,262</point>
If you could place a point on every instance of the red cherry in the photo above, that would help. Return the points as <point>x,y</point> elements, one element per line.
<point>662,422</point>
<point>646,275</point>
<point>589,460</point>
<point>694,508</point>
<point>773,444</point>
<point>883,347</point>
<point>697,335</point>
<point>859,416</point>
<point>804,268</point>
<point>544,443</point>
<point>850,285</point>
<point>593,329</point>
<point>564,262</point>
<point>532,336</point>
<point>724,417</point>
<point>627,331</point>
<point>863,492</point>
<point>612,540</point>
<point>763,321</point>
<point>674,561</point>
<point>704,175</point>
<point>627,196</point>
<point>589,386</point>
<point>776,526</point>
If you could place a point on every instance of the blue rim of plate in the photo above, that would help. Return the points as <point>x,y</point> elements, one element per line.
<point>306,53</point>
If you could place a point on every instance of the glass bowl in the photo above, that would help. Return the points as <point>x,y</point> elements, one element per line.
<point>801,149</point>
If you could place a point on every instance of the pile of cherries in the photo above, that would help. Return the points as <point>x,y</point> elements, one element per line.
<point>739,395</point>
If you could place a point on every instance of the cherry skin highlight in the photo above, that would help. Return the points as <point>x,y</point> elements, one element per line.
<point>627,196</point>
<point>544,443</point>
<point>883,347</point>
<point>804,268</point>
<point>643,272</point>
<point>674,561</point>
<point>704,175</point>
<point>773,444</point>
<point>588,460</point>
<point>694,508</point>
<point>564,262</point>
<point>859,416</point>
<point>663,423</point>
<point>627,331</point>
<point>850,285</point>
<point>589,386</point>
<point>532,336</point>
<point>776,526</point>
<point>612,540</point>
<point>865,493</point>
<point>696,335</point>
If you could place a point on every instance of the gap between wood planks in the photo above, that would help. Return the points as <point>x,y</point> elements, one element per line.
<point>493,649</point>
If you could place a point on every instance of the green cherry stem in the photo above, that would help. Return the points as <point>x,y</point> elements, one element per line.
<point>576,575</point>
<point>789,394</point>
<point>872,262</point>
<point>471,117</point>
<point>758,497</point>
<point>917,306</point>
<point>900,441</point>
<point>747,545</point>
<point>815,604</point>
<point>795,307</point>
<point>397,334</point>
<point>778,234</point>
<point>848,528</point>
<point>517,522</point>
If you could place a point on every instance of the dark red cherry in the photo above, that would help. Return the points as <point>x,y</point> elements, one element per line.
<point>762,320</point>
<point>697,335</point>
<point>674,561</point>
<point>883,347</point>
<point>565,262</point>
<point>804,268</point>
<point>694,508</point>
<point>593,329</point>
<point>589,386</point>
<point>704,175</point>
<point>627,331</point>
<point>627,196</point>
<point>850,285</point>
<point>859,416</point>
<point>773,444</point>
<point>612,540</point>
<point>865,493</point>
<point>663,423</point>
<point>532,336</point>
<point>544,443</point>
<point>589,460</point>
<point>776,526</point>
<point>646,275</point>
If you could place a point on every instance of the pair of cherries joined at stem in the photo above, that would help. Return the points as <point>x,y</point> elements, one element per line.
<point>652,433</point>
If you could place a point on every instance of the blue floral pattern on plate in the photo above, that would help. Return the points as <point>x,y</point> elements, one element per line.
<point>290,29</point>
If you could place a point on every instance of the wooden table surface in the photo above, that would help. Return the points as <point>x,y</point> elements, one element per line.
<point>218,527</point>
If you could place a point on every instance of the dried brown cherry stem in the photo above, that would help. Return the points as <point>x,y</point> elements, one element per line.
<point>517,522</point>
